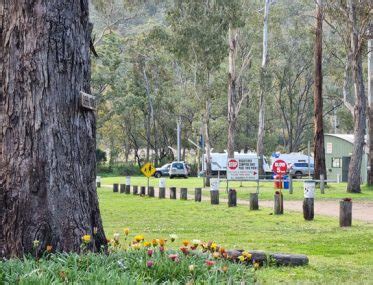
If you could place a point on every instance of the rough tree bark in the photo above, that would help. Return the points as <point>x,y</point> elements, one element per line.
<point>318,139</point>
<point>232,92</point>
<point>354,177</point>
<point>261,124</point>
<point>49,141</point>
<point>370,105</point>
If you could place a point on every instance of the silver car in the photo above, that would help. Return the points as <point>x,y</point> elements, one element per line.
<point>178,169</point>
<point>300,169</point>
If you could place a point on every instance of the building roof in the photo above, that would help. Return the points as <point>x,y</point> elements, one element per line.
<point>346,137</point>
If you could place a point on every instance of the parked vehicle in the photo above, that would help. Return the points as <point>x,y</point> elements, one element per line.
<point>300,169</point>
<point>178,169</point>
<point>292,158</point>
<point>163,171</point>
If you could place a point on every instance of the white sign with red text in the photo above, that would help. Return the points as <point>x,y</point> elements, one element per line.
<point>242,169</point>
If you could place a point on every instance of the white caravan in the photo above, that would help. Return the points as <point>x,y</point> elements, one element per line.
<point>291,158</point>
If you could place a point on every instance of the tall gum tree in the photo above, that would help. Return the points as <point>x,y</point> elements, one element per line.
<point>49,143</point>
<point>319,149</point>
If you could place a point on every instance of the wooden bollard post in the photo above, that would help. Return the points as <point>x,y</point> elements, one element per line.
<point>142,190</point>
<point>308,202</point>
<point>128,185</point>
<point>278,208</point>
<point>197,194</point>
<point>162,192</point>
<point>232,198</point>
<point>322,183</point>
<point>183,193</point>
<point>128,189</point>
<point>115,187</point>
<point>214,195</point>
<point>98,181</point>
<point>151,191</point>
<point>135,190</point>
<point>345,213</point>
<point>254,202</point>
<point>172,192</point>
<point>290,184</point>
<point>122,188</point>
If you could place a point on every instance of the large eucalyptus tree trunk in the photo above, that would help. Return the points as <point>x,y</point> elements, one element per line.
<point>261,123</point>
<point>318,139</point>
<point>370,106</point>
<point>48,139</point>
<point>232,92</point>
<point>354,174</point>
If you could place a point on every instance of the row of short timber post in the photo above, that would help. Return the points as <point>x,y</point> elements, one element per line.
<point>232,198</point>
<point>254,201</point>
<point>122,188</point>
<point>278,203</point>
<point>151,191</point>
<point>183,193</point>
<point>162,193</point>
<point>198,194</point>
<point>214,195</point>
<point>142,190</point>
<point>172,192</point>
<point>115,187</point>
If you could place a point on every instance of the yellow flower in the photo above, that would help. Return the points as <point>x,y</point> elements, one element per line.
<point>185,242</point>
<point>154,242</point>
<point>161,242</point>
<point>256,265</point>
<point>241,258</point>
<point>49,248</point>
<point>86,238</point>
<point>224,268</point>
<point>247,255</point>
<point>147,243</point>
<point>139,238</point>
<point>214,246</point>
<point>126,231</point>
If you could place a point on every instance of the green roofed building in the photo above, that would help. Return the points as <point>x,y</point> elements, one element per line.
<point>338,151</point>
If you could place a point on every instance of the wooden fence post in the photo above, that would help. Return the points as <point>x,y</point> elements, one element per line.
<point>151,191</point>
<point>254,201</point>
<point>183,193</point>
<point>128,189</point>
<point>278,206</point>
<point>197,194</point>
<point>214,195</point>
<point>115,187</point>
<point>345,213</point>
<point>162,192</point>
<point>172,192</point>
<point>322,183</point>
<point>122,188</point>
<point>142,190</point>
<point>232,198</point>
<point>308,202</point>
<point>135,190</point>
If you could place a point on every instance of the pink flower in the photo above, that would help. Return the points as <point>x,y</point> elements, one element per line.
<point>210,263</point>
<point>161,249</point>
<point>185,250</point>
<point>150,252</point>
<point>173,257</point>
<point>149,263</point>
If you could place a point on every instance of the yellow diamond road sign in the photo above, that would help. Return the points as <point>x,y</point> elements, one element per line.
<point>148,169</point>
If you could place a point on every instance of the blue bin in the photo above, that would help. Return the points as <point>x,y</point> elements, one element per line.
<point>286,182</point>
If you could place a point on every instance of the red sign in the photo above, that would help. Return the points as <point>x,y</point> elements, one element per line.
<point>232,164</point>
<point>279,167</point>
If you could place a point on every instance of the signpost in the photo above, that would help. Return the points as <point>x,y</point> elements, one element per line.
<point>279,167</point>
<point>148,170</point>
<point>243,169</point>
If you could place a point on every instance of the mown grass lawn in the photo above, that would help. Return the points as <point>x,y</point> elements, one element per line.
<point>333,191</point>
<point>336,255</point>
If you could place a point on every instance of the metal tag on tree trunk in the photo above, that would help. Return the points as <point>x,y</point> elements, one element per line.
<point>87,101</point>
